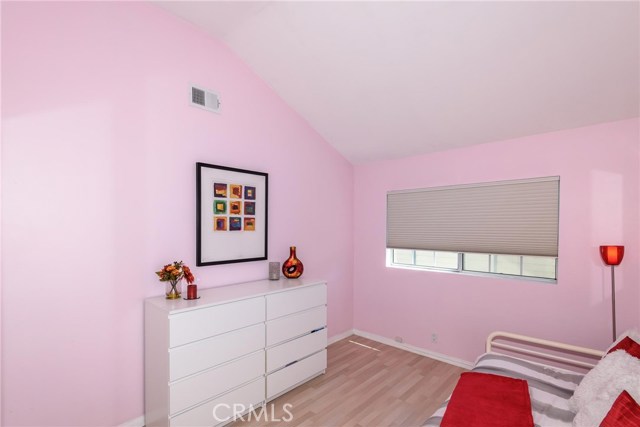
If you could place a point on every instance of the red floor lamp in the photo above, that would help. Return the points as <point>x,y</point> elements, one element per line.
<point>612,255</point>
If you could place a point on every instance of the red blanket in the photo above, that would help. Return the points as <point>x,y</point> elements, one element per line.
<point>486,400</point>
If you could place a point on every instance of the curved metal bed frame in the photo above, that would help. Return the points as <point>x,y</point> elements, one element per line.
<point>492,343</point>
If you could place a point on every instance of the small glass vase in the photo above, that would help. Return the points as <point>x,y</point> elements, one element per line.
<point>173,289</point>
<point>292,268</point>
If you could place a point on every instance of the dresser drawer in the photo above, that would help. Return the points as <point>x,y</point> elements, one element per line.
<point>207,322</point>
<point>297,349</point>
<point>220,410</point>
<point>208,384</point>
<point>285,328</point>
<point>201,355</point>
<point>283,379</point>
<point>289,302</point>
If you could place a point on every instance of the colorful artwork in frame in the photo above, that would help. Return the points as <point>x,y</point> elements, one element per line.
<point>235,208</point>
<point>220,190</point>
<point>249,224</point>
<point>231,215</point>
<point>236,191</point>
<point>219,207</point>
<point>235,223</point>
<point>220,223</point>
<point>249,192</point>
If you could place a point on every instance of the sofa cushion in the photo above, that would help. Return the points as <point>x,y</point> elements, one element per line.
<point>625,412</point>
<point>616,372</point>
<point>629,345</point>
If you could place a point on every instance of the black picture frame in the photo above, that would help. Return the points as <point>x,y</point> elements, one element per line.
<point>223,237</point>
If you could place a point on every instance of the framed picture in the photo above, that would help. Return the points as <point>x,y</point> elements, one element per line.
<point>231,215</point>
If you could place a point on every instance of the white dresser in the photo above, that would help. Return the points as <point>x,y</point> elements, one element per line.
<point>238,346</point>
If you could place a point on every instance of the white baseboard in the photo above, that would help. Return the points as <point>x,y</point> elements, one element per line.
<point>136,422</point>
<point>421,351</point>
<point>340,336</point>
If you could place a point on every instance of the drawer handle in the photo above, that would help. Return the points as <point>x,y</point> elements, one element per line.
<point>290,363</point>
<point>317,330</point>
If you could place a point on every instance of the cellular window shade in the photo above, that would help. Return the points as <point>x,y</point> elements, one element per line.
<point>509,217</point>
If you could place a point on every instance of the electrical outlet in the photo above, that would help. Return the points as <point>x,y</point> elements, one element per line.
<point>434,338</point>
<point>399,339</point>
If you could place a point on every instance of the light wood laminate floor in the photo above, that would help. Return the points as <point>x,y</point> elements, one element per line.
<point>367,384</point>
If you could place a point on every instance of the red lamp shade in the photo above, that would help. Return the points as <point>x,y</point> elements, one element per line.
<point>612,255</point>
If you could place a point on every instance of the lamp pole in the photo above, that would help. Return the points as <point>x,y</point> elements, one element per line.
<point>613,302</point>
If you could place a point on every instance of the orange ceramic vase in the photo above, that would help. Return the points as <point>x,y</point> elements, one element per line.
<point>292,268</point>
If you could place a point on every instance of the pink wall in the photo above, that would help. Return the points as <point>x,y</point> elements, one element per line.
<point>599,172</point>
<point>99,146</point>
<point>98,163</point>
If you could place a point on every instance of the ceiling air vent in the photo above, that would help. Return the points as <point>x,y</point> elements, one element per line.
<point>206,99</point>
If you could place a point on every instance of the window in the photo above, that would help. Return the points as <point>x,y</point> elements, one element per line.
<point>538,267</point>
<point>507,228</point>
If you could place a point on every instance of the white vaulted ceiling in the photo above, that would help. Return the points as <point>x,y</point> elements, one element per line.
<point>388,79</point>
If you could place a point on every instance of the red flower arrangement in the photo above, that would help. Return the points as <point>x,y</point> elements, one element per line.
<point>173,273</point>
